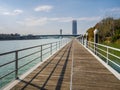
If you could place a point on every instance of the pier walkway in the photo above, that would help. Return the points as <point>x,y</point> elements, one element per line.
<point>71,68</point>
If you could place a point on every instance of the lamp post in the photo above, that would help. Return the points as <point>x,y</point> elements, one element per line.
<point>95,40</point>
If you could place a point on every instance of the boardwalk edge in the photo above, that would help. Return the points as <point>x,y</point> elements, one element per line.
<point>115,73</point>
<point>14,82</point>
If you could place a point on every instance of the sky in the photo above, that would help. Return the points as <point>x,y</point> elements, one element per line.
<point>49,16</point>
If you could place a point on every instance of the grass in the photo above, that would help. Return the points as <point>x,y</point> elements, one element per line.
<point>110,57</point>
<point>114,52</point>
<point>112,44</point>
<point>115,45</point>
<point>117,53</point>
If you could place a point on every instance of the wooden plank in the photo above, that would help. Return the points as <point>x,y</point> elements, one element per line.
<point>90,74</point>
<point>55,73</point>
<point>52,74</point>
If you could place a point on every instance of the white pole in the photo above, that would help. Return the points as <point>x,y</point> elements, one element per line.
<point>95,40</point>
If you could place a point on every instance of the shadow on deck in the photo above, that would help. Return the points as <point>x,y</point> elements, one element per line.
<point>55,73</point>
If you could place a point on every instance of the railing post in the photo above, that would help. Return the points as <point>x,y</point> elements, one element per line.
<point>59,44</point>
<point>94,47</point>
<point>83,39</point>
<point>56,45</point>
<point>80,39</point>
<point>86,39</point>
<point>107,55</point>
<point>16,64</point>
<point>51,48</point>
<point>41,53</point>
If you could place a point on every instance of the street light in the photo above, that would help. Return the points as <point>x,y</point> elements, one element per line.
<point>95,36</point>
<point>95,40</point>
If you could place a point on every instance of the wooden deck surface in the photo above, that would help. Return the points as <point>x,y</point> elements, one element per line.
<point>71,68</point>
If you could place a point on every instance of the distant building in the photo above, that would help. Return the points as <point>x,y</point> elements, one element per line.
<point>74,27</point>
<point>60,31</point>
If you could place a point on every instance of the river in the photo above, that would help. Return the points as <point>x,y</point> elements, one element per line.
<point>10,45</point>
<point>7,46</point>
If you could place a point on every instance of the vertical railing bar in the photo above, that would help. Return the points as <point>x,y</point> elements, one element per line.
<point>94,47</point>
<point>59,44</point>
<point>56,45</point>
<point>83,40</point>
<point>41,53</point>
<point>51,49</point>
<point>16,64</point>
<point>86,43</point>
<point>107,55</point>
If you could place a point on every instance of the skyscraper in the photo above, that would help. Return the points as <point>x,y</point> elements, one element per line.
<point>74,27</point>
<point>60,31</point>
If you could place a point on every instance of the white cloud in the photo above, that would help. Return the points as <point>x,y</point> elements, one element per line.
<point>89,18</point>
<point>116,9</point>
<point>44,20</point>
<point>44,8</point>
<point>34,21</point>
<point>10,13</point>
<point>61,19</point>
<point>13,13</point>
<point>113,12</point>
<point>69,19</point>
<point>17,11</point>
<point>2,9</point>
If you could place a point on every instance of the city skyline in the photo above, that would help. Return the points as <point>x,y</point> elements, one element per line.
<point>48,17</point>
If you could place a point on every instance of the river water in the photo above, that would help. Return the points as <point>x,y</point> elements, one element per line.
<point>6,46</point>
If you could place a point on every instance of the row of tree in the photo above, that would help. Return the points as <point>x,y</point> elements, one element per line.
<point>17,37</point>
<point>109,30</point>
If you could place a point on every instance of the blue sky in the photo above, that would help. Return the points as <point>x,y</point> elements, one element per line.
<point>49,16</point>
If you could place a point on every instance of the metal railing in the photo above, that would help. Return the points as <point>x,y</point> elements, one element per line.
<point>12,69</point>
<point>110,55</point>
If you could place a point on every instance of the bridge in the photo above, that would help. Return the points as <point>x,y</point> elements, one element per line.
<point>74,66</point>
<point>58,35</point>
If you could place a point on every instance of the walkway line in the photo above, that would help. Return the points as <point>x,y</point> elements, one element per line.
<point>72,67</point>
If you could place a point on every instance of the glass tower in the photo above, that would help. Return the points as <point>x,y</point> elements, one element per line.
<point>74,27</point>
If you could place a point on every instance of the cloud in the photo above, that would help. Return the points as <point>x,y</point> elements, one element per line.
<point>69,19</point>
<point>89,18</point>
<point>116,9</point>
<point>44,20</point>
<point>17,11</point>
<point>2,9</point>
<point>43,8</point>
<point>62,19</point>
<point>111,11</point>
<point>33,21</point>
<point>12,13</point>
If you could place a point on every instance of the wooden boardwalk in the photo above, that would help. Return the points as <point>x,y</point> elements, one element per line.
<point>71,68</point>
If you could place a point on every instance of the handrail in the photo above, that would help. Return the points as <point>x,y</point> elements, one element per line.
<point>105,53</point>
<point>107,46</point>
<point>24,49</point>
<point>48,49</point>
